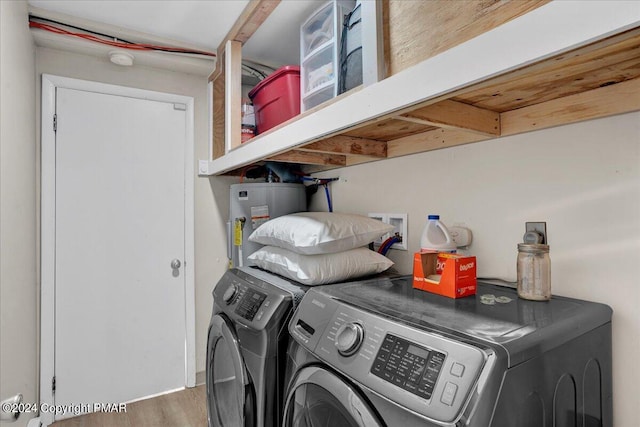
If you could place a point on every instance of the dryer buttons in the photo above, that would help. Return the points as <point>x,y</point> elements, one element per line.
<point>449,393</point>
<point>250,301</point>
<point>457,370</point>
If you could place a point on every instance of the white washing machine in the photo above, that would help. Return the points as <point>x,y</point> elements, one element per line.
<point>246,348</point>
<point>379,353</point>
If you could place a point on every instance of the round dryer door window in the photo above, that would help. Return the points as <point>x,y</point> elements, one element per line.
<point>230,401</point>
<point>319,398</point>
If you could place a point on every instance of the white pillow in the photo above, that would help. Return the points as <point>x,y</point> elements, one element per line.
<point>320,269</point>
<point>311,233</point>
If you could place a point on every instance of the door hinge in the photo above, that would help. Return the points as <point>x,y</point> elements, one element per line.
<point>53,385</point>
<point>55,122</point>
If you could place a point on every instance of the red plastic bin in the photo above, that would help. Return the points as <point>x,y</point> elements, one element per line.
<point>276,99</point>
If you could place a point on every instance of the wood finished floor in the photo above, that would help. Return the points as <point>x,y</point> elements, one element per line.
<point>185,408</point>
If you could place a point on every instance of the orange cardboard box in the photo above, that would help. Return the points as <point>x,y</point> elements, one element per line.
<point>457,273</point>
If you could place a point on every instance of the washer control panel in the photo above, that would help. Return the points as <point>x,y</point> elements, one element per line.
<point>429,373</point>
<point>408,365</point>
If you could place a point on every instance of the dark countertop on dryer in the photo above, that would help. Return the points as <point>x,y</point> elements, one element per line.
<point>523,328</point>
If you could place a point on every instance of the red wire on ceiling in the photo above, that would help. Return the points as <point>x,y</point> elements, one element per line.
<point>115,43</point>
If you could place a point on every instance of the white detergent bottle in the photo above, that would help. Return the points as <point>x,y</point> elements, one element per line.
<point>436,237</point>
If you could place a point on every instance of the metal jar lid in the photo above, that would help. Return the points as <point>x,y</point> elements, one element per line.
<point>533,248</point>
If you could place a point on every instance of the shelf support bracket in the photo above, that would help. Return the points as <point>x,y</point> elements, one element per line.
<point>455,115</point>
<point>349,145</point>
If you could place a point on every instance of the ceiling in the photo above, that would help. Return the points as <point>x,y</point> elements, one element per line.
<point>191,23</point>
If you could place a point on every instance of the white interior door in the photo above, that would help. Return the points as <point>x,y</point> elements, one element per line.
<point>119,225</point>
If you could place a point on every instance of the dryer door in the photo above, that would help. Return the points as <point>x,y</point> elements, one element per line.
<point>320,398</point>
<point>230,394</point>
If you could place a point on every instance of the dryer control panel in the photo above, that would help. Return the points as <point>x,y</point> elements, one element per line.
<point>431,374</point>
<point>248,300</point>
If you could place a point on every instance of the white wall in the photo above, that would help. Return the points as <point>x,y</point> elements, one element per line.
<point>211,195</point>
<point>18,186</point>
<point>582,179</point>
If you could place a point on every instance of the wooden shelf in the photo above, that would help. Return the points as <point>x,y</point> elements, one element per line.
<point>512,79</point>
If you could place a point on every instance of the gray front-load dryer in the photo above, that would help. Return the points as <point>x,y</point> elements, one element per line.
<point>380,353</point>
<point>246,348</point>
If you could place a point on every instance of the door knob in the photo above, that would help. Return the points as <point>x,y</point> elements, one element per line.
<point>11,408</point>
<point>175,264</point>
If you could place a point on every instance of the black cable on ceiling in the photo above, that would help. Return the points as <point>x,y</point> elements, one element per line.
<point>113,39</point>
<point>78,28</point>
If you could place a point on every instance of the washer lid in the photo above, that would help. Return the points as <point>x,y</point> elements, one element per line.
<point>524,328</point>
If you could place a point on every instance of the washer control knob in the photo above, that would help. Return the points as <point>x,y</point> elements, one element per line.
<point>230,293</point>
<point>349,338</point>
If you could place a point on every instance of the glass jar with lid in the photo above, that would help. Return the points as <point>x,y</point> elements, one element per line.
<point>534,271</point>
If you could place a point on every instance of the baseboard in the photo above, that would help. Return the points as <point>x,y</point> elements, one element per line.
<point>201,378</point>
<point>34,422</point>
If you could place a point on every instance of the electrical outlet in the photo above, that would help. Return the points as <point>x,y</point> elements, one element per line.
<point>538,231</point>
<point>399,222</point>
<point>461,236</point>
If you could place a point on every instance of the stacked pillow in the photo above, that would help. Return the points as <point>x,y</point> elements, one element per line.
<point>317,248</point>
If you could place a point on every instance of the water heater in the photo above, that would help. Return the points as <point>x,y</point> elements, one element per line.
<point>251,205</point>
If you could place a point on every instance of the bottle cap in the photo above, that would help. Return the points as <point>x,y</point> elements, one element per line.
<point>433,217</point>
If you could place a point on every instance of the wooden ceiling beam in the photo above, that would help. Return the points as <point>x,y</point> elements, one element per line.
<point>455,115</point>
<point>310,158</point>
<point>348,145</point>
<point>253,15</point>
